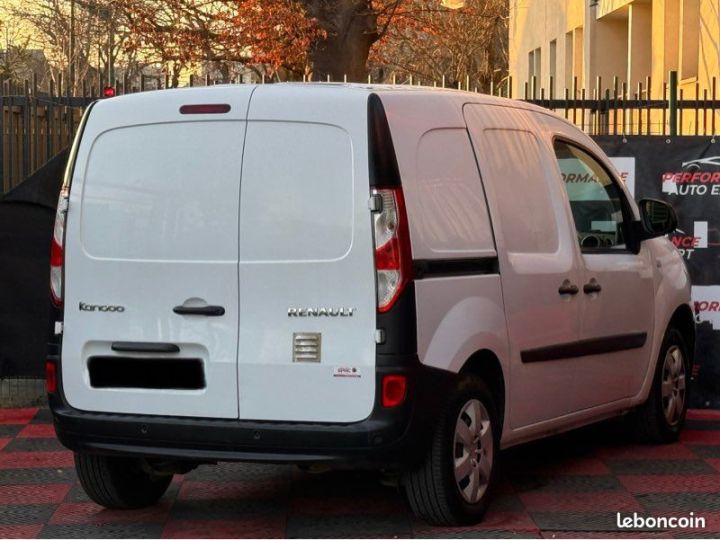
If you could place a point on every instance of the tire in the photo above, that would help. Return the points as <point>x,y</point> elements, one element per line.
<point>120,482</point>
<point>431,489</point>
<point>660,419</point>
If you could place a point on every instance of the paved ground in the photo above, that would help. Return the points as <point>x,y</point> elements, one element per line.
<point>572,485</point>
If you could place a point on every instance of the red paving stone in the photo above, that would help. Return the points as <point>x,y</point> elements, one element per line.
<point>89,512</point>
<point>700,437</point>
<point>35,460</point>
<point>590,534</point>
<point>550,483</point>
<point>703,414</point>
<point>512,522</point>
<point>17,416</point>
<point>33,494</point>
<point>40,431</point>
<point>346,505</point>
<point>603,501</point>
<point>571,466</point>
<point>636,451</point>
<point>254,528</point>
<point>655,483</point>
<point>20,531</point>
<point>193,490</point>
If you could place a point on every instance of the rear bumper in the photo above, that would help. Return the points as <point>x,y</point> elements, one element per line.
<point>389,437</point>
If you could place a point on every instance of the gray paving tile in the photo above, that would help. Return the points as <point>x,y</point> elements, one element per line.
<point>25,514</point>
<point>105,530</point>
<point>660,466</point>
<point>37,476</point>
<point>349,526</point>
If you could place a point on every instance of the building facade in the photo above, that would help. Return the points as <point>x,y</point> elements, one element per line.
<point>572,44</point>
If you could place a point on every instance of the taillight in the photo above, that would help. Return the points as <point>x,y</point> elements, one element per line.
<point>57,249</point>
<point>393,261</point>
<point>394,390</point>
<point>50,377</point>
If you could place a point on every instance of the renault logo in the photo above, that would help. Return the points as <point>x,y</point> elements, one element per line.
<point>321,312</point>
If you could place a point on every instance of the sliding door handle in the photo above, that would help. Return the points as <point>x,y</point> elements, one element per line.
<point>568,287</point>
<point>206,311</point>
<point>592,287</point>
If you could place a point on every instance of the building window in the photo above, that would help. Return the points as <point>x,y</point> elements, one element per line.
<point>552,82</point>
<point>574,48</point>
<point>689,38</point>
<point>534,71</point>
<point>569,55</point>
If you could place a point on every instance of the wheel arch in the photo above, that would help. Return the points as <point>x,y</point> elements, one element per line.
<point>486,365</point>
<point>684,320</point>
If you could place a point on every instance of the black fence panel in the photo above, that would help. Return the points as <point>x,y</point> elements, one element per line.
<point>27,217</point>
<point>685,171</point>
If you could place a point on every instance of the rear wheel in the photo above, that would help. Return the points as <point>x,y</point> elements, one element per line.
<point>453,484</point>
<point>120,482</point>
<point>661,417</point>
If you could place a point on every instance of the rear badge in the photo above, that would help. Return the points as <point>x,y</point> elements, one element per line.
<point>347,372</point>
<point>104,309</point>
<point>321,312</point>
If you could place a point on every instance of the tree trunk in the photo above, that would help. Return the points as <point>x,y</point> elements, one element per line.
<point>351,28</point>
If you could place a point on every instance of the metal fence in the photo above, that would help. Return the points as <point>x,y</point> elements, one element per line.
<point>679,109</point>
<point>34,126</point>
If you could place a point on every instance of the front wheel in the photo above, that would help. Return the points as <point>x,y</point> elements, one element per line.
<point>120,482</point>
<point>661,417</point>
<point>454,483</point>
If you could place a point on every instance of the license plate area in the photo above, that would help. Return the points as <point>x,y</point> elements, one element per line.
<point>147,373</point>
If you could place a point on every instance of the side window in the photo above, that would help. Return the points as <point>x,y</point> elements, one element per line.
<point>595,199</point>
<point>454,218</point>
<point>523,193</point>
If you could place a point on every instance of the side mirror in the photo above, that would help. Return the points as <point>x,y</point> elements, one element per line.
<point>658,218</point>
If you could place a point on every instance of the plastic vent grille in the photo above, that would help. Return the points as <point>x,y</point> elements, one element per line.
<point>306,346</point>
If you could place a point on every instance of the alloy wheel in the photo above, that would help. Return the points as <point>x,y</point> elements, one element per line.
<point>673,385</point>
<point>473,451</point>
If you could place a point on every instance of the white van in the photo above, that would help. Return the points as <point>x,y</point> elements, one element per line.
<point>399,278</point>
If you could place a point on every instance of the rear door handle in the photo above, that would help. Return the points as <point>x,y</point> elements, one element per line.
<point>143,347</point>
<point>206,311</point>
<point>568,287</point>
<point>592,287</point>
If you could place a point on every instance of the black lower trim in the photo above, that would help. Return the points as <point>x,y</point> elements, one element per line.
<point>389,438</point>
<point>434,268</point>
<point>585,347</point>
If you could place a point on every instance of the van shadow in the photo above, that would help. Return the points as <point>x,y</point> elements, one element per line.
<point>574,456</point>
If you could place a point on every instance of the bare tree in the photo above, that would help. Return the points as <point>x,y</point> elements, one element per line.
<point>432,43</point>
<point>351,28</point>
<point>16,61</point>
<point>97,29</point>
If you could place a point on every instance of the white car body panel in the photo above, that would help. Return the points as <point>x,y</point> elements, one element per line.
<point>121,193</point>
<point>319,254</point>
<point>282,222</point>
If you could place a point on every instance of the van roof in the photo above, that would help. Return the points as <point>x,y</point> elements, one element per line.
<point>292,87</point>
<point>153,106</point>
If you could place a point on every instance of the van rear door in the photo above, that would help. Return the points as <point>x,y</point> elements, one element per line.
<point>307,281</point>
<point>151,274</point>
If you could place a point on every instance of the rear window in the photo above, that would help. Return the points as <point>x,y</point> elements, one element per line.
<point>164,192</point>
<point>297,192</point>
